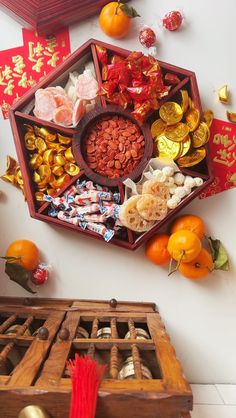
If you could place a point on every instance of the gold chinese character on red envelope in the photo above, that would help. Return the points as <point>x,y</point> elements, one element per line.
<point>223,154</point>
<point>22,67</point>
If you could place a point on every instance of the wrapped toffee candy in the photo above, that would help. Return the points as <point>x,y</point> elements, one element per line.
<point>141,334</point>
<point>104,333</point>
<point>127,371</point>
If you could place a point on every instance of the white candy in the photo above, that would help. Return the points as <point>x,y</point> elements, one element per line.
<point>161,177</point>
<point>187,190</point>
<point>152,51</point>
<point>168,171</point>
<point>189,182</point>
<point>172,189</point>
<point>179,179</point>
<point>198,181</point>
<point>170,181</point>
<point>156,172</point>
<point>180,192</point>
<point>173,202</point>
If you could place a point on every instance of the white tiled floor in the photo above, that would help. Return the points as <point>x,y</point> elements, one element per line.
<point>214,401</point>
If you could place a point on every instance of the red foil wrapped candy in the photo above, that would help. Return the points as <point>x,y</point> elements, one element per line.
<point>147,37</point>
<point>173,20</point>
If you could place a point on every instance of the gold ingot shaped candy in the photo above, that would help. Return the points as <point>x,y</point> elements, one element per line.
<point>58,170</point>
<point>177,133</point>
<point>48,156</point>
<point>223,94</point>
<point>44,171</point>
<point>231,116</point>
<point>185,100</point>
<point>51,191</point>
<point>52,145</point>
<point>208,117</point>
<point>60,181</point>
<point>40,144</point>
<point>30,141</point>
<point>39,196</point>
<point>167,148</point>
<point>35,161</point>
<point>192,117</point>
<point>44,133</point>
<point>191,103</point>
<point>36,177</point>
<point>66,140</point>
<point>69,156</point>
<point>29,128</point>
<point>18,176</point>
<point>59,159</point>
<point>193,158</point>
<point>186,144</point>
<point>71,169</point>
<point>201,135</point>
<point>157,128</point>
<point>61,149</point>
<point>171,113</point>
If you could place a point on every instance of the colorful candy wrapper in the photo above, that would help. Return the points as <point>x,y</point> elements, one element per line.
<point>96,217</point>
<point>64,217</point>
<point>172,79</point>
<point>94,196</point>
<point>57,201</point>
<point>110,210</point>
<point>99,229</point>
<point>81,210</point>
<point>102,54</point>
<point>147,37</point>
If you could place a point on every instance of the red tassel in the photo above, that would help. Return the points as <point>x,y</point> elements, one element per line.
<point>86,377</point>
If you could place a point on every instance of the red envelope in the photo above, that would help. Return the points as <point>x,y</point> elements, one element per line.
<point>22,67</point>
<point>223,154</point>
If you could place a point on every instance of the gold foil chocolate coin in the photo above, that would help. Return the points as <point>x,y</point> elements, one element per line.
<point>167,148</point>
<point>192,117</point>
<point>158,128</point>
<point>193,158</point>
<point>201,135</point>
<point>185,100</point>
<point>186,144</point>
<point>208,117</point>
<point>171,113</point>
<point>177,133</point>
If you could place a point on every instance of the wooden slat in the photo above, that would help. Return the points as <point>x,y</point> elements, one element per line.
<point>50,374</point>
<point>170,366</point>
<point>25,373</point>
<point>106,344</point>
<point>21,330</point>
<point>6,324</point>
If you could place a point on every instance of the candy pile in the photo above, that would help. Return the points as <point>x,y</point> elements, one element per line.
<point>66,107</point>
<point>179,134</point>
<point>51,159</point>
<point>156,196</point>
<point>114,146</point>
<point>134,81</point>
<point>88,206</point>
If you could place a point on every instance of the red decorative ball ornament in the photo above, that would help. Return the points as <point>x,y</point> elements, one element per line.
<point>40,276</point>
<point>147,37</point>
<point>173,20</point>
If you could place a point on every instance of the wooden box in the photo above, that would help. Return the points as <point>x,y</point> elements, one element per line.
<point>47,17</point>
<point>21,114</point>
<point>33,365</point>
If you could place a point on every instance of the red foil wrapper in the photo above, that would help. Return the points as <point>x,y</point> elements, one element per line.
<point>102,54</point>
<point>172,79</point>
<point>134,81</point>
<point>173,20</point>
<point>147,37</point>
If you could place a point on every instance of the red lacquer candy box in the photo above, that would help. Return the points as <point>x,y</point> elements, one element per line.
<point>74,143</point>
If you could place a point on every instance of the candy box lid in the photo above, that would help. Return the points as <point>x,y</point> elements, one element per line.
<point>47,17</point>
<point>22,118</point>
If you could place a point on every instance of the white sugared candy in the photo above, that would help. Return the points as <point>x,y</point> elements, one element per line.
<point>156,172</point>
<point>172,188</point>
<point>168,171</point>
<point>180,192</point>
<point>161,177</point>
<point>170,181</point>
<point>189,182</point>
<point>179,179</point>
<point>187,190</point>
<point>198,181</point>
<point>173,202</point>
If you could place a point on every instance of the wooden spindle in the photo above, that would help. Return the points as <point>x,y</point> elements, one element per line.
<point>24,326</point>
<point>6,324</point>
<point>137,362</point>
<point>91,349</point>
<point>132,329</point>
<point>114,362</point>
<point>114,332</point>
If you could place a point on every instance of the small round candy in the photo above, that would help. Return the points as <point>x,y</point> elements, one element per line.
<point>168,171</point>
<point>172,189</point>
<point>147,37</point>
<point>173,202</point>
<point>189,182</point>
<point>180,192</point>
<point>173,20</point>
<point>170,181</point>
<point>198,181</point>
<point>187,190</point>
<point>179,179</point>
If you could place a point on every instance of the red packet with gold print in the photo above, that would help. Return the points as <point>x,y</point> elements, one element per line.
<point>223,155</point>
<point>21,68</point>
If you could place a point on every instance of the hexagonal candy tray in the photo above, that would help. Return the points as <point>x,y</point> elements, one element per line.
<point>22,114</point>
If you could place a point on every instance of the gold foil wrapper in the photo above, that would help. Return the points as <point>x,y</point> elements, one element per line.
<point>44,133</point>
<point>186,144</point>
<point>192,117</point>
<point>39,196</point>
<point>71,169</point>
<point>48,156</point>
<point>193,158</point>
<point>223,94</point>
<point>184,100</point>
<point>167,148</point>
<point>158,128</point>
<point>35,161</point>
<point>208,117</point>
<point>13,174</point>
<point>177,133</point>
<point>59,159</point>
<point>40,144</point>
<point>171,113</point>
<point>66,140</point>
<point>69,155</point>
<point>201,135</point>
<point>231,116</point>
<point>60,181</point>
<point>58,170</point>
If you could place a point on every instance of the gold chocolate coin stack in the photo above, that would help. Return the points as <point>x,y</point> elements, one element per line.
<point>50,158</point>
<point>179,134</point>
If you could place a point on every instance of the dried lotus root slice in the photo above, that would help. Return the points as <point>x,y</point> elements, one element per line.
<point>157,189</point>
<point>152,208</point>
<point>130,217</point>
